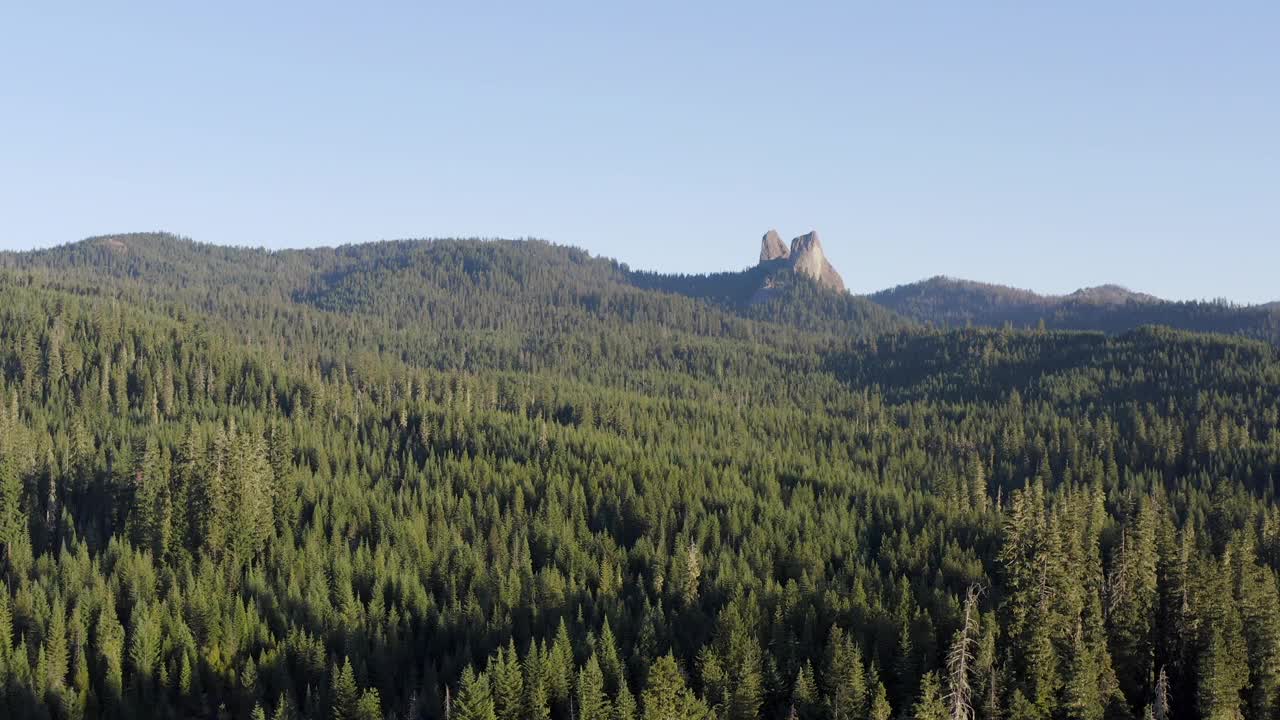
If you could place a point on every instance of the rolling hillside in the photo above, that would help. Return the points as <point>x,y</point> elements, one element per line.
<point>946,302</point>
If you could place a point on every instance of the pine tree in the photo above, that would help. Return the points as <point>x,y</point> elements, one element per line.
<point>151,517</point>
<point>57,653</point>
<point>624,705</point>
<point>1032,557</point>
<point>930,705</point>
<point>591,701</point>
<point>610,660</point>
<point>6,629</point>
<point>369,707</point>
<point>843,679</point>
<point>13,524</point>
<point>666,697</point>
<point>80,683</point>
<point>1082,694</point>
<point>508,684</point>
<point>692,573</point>
<point>804,693</point>
<point>110,644</point>
<point>1259,604</point>
<point>732,668</point>
<point>879,708</point>
<point>559,666</point>
<point>906,667</point>
<point>1224,670</point>
<point>343,691</point>
<point>283,710</point>
<point>537,704</point>
<point>474,700</point>
<point>248,509</point>
<point>145,643</point>
<point>1131,604</point>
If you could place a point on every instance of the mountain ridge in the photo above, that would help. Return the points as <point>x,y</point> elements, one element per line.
<point>943,301</point>
<point>778,291</point>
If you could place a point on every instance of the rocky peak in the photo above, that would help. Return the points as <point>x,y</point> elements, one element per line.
<point>805,256</point>
<point>808,258</point>
<point>772,247</point>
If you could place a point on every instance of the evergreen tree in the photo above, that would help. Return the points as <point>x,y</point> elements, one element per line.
<point>559,666</point>
<point>844,682</point>
<point>1132,601</point>
<point>591,701</point>
<point>1223,671</point>
<point>624,706</point>
<point>666,697</point>
<point>879,708</point>
<point>474,700</point>
<point>56,650</point>
<point>369,707</point>
<point>930,705</point>
<point>804,694</point>
<point>344,692</point>
<point>13,526</point>
<point>508,684</point>
<point>610,660</point>
<point>537,703</point>
<point>110,640</point>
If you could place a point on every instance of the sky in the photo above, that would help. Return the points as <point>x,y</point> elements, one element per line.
<point>1042,145</point>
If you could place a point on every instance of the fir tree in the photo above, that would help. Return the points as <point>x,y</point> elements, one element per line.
<point>474,700</point>
<point>930,705</point>
<point>591,701</point>
<point>344,692</point>
<point>844,682</point>
<point>508,684</point>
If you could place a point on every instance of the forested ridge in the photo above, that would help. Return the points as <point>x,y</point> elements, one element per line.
<point>948,302</point>
<point>507,480</point>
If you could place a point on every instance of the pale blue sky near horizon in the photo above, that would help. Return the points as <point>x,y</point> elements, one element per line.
<point>1042,145</point>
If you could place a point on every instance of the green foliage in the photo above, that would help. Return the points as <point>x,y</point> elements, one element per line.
<point>666,696</point>
<point>508,684</point>
<point>592,704</point>
<point>879,708</point>
<point>327,483</point>
<point>930,705</point>
<point>344,691</point>
<point>474,700</point>
<point>947,302</point>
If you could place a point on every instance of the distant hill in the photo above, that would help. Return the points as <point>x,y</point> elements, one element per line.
<point>546,292</point>
<point>515,304</point>
<point>948,302</point>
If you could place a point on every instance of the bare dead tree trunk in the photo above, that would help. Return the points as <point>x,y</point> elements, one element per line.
<point>960,661</point>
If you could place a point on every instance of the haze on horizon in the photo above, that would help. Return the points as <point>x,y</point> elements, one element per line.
<point>1044,148</point>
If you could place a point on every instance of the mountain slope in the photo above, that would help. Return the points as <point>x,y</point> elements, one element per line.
<point>446,284</point>
<point>519,306</point>
<point>403,479</point>
<point>948,302</point>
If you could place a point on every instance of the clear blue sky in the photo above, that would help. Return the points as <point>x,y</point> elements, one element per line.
<point>1043,147</point>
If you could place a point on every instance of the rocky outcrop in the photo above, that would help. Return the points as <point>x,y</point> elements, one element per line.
<point>772,248</point>
<point>807,258</point>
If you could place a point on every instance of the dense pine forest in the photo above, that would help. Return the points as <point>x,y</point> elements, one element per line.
<point>947,302</point>
<point>490,480</point>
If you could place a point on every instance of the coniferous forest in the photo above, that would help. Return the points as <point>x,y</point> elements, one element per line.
<point>484,480</point>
